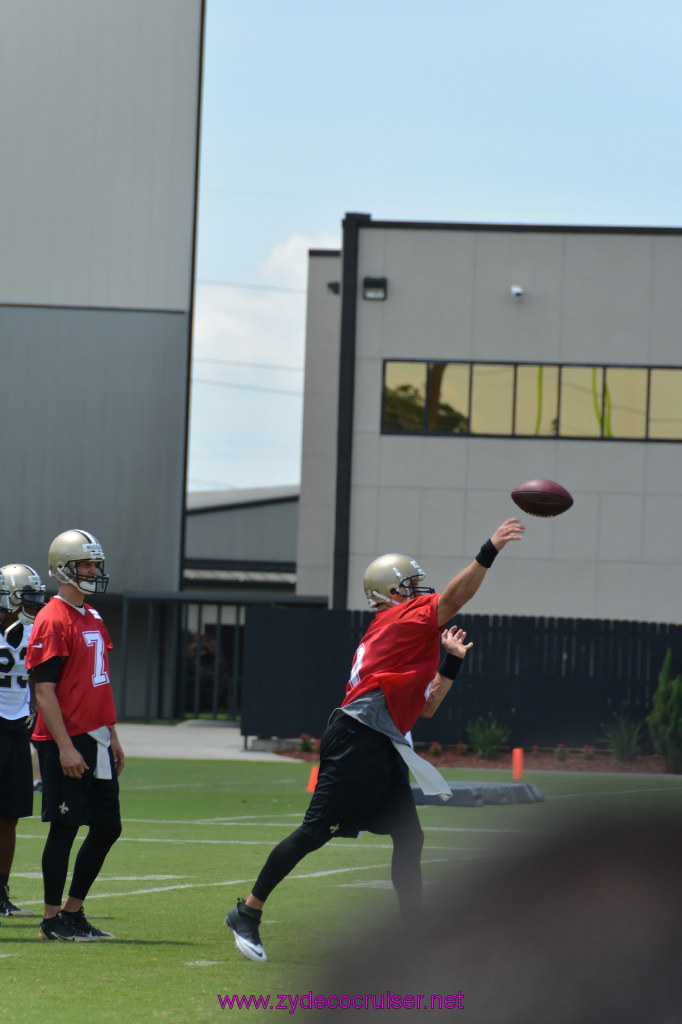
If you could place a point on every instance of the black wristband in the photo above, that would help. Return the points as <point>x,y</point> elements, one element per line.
<point>487,555</point>
<point>450,665</point>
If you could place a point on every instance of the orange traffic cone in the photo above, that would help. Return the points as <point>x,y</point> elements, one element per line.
<point>312,781</point>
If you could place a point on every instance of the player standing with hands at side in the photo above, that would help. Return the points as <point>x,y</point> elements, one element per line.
<point>363,781</point>
<point>80,755</point>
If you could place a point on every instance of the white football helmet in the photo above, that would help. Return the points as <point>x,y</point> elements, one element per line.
<point>5,606</point>
<point>26,591</point>
<point>70,548</point>
<point>391,575</point>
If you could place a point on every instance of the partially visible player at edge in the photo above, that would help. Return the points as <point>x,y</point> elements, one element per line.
<point>22,593</point>
<point>80,755</point>
<point>363,781</point>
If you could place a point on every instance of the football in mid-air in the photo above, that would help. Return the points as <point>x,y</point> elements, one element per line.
<point>542,498</point>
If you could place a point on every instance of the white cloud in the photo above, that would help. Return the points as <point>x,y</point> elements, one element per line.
<point>287,264</point>
<point>244,432</point>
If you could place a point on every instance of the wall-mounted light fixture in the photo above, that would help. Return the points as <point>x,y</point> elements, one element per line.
<point>516,292</point>
<point>334,287</point>
<point>374,288</point>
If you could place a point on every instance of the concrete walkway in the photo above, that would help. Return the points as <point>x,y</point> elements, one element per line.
<point>195,739</point>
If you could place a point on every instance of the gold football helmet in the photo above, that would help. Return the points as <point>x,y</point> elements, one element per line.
<point>391,575</point>
<point>70,548</point>
<point>26,590</point>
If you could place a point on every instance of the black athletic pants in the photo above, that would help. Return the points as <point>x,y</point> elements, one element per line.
<point>363,785</point>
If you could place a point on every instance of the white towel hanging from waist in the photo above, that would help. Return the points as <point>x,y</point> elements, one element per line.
<point>103,766</point>
<point>428,776</point>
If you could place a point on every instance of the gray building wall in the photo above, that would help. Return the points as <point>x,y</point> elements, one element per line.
<point>99,106</point>
<point>250,525</point>
<point>591,296</point>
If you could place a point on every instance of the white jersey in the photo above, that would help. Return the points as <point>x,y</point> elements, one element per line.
<point>14,690</point>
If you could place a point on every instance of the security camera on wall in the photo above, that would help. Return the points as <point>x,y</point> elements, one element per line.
<point>516,292</point>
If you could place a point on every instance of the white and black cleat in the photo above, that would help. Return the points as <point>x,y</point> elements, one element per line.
<point>244,921</point>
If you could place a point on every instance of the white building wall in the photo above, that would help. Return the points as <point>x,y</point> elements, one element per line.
<point>589,297</point>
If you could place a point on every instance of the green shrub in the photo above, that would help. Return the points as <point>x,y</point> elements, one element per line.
<point>624,737</point>
<point>665,718</point>
<point>487,736</point>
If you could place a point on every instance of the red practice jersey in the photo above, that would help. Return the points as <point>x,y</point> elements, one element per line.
<point>83,689</point>
<point>399,655</point>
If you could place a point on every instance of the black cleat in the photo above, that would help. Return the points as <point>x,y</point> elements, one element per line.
<point>244,923</point>
<point>85,931</point>
<point>8,909</point>
<point>57,929</point>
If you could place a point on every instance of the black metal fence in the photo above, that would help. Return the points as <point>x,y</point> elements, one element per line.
<point>552,680</point>
<point>179,655</point>
<point>281,667</point>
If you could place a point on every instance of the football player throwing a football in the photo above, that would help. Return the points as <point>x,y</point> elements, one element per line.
<point>363,781</point>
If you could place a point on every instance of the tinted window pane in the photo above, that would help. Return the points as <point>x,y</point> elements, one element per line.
<point>625,399</point>
<point>449,398</point>
<point>537,400</point>
<point>492,398</point>
<point>404,397</point>
<point>665,411</point>
<point>580,411</point>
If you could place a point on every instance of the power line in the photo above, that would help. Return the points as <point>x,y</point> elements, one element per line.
<point>246,387</point>
<point>256,366</point>
<point>251,287</point>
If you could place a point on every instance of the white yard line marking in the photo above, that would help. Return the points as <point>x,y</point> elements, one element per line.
<point>214,885</point>
<point>621,792</point>
<point>331,846</point>
<point>110,878</point>
<point>496,831</point>
<point>204,821</point>
<point>236,881</point>
<point>202,842</point>
<point>247,819</point>
<point>204,785</point>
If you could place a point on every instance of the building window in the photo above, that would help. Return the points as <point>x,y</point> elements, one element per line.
<point>625,401</point>
<point>581,401</point>
<point>405,397</point>
<point>532,400</point>
<point>536,409</point>
<point>665,404</point>
<point>492,398</point>
<point>448,405</point>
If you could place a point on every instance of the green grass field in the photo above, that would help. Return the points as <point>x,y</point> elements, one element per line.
<point>195,835</point>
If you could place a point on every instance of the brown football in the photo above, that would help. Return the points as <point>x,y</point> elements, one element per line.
<point>542,498</point>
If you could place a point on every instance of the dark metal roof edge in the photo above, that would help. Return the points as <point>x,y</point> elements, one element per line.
<point>221,597</point>
<point>235,565</point>
<point>600,229</point>
<point>255,503</point>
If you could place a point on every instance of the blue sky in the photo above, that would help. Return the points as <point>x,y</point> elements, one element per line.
<point>528,112</point>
